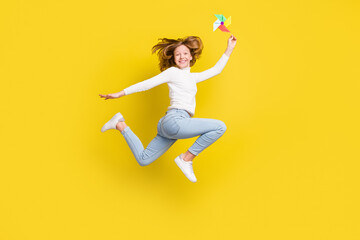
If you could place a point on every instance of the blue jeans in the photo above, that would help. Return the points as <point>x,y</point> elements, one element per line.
<point>176,124</point>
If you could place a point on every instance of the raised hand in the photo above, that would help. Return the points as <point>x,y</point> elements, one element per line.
<point>231,45</point>
<point>232,41</point>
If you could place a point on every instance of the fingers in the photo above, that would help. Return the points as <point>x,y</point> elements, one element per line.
<point>232,38</point>
<point>104,96</point>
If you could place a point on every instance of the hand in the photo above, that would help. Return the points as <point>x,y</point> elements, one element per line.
<point>112,95</point>
<point>231,42</point>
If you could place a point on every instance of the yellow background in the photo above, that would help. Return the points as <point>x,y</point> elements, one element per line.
<point>287,167</point>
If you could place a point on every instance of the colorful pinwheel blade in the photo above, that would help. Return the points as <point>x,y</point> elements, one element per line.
<point>217,23</point>
<point>227,22</point>
<point>220,17</point>
<point>223,28</point>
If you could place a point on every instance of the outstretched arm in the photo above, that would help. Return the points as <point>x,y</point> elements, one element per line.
<point>219,66</point>
<point>141,86</point>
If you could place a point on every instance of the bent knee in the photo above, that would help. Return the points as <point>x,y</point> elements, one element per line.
<point>222,127</point>
<point>143,164</point>
<point>145,160</point>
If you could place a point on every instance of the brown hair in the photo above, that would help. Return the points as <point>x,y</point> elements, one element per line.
<point>167,46</point>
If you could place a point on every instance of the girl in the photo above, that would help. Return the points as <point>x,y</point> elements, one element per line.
<point>176,57</point>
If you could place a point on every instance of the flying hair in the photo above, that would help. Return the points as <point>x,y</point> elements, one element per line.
<point>165,50</point>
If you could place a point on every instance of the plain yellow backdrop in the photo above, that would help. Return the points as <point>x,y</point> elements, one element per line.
<point>287,167</point>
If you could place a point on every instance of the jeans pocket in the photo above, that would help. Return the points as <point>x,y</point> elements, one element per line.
<point>170,126</point>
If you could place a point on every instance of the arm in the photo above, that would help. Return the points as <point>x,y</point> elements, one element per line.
<point>161,78</point>
<point>141,86</point>
<point>219,66</point>
<point>215,70</point>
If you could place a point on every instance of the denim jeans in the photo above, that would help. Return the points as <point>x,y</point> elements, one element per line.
<point>176,124</point>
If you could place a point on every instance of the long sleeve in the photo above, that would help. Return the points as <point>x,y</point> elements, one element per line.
<point>215,70</point>
<point>161,78</point>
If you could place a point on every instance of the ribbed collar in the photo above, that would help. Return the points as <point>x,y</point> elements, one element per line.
<point>187,69</point>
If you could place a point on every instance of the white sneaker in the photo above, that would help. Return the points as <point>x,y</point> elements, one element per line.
<point>186,168</point>
<point>111,124</point>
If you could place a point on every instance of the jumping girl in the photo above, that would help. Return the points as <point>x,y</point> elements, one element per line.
<point>176,57</point>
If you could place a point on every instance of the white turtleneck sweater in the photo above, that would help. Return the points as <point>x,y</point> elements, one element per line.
<point>182,84</point>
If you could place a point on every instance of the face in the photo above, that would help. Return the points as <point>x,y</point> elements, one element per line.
<point>182,56</point>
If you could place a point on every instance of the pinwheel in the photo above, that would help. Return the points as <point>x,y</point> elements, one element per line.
<point>222,23</point>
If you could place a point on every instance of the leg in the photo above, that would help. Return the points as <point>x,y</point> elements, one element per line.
<point>157,147</point>
<point>188,156</point>
<point>209,130</point>
<point>178,125</point>
<point>121,126</point>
